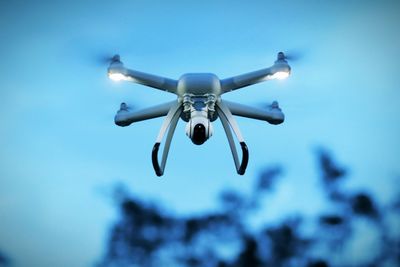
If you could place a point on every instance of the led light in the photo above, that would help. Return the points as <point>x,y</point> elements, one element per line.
<point>280,75</point>
<point>117,77</point>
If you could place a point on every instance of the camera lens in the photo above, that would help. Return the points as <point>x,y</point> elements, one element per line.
<point>199,134</point>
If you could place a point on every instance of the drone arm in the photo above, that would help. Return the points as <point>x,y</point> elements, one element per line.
<point>272,115</point>
<point>169,124</point>
<point>280,69</point>
<point>117,72</point>
<point>229,122</point>
<point>151,80</point>
<point>246,79</point>
<point>125,117</point>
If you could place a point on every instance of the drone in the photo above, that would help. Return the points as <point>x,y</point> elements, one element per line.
<point>199,104</point>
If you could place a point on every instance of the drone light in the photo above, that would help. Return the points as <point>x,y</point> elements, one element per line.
<point>115,76</point>
<point>280,75</point>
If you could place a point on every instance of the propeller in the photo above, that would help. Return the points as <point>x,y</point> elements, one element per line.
<point>106,59</point>
<point>273,105</point>
<point>291,55</point>
<point>127,106</point>
<point>95,52</point>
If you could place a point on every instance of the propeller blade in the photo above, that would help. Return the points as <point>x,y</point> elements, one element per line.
<point>128,106</point>
<point>105,59</point>
<point>291,55</point>
<point>264,105</point>
<point>96,53</point>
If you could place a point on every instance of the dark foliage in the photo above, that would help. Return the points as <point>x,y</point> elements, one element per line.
<point>318,263</point>
<point>4,261</point>
<point>332,176</point>
<point>145,235</point>
<point>249,255</point>
<point>363,205</point>
<point>332,220</point>
<point>268,177</point>
<point>330,171</point>
<point>286,243</point>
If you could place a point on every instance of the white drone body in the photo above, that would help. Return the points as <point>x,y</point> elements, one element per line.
<point>199,104</point>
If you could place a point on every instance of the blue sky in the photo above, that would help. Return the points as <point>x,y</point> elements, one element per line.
<point>60,150</point>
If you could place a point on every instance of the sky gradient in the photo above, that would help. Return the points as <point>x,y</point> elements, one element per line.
<point>61,151</point>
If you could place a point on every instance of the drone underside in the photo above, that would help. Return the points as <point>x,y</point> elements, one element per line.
<point>199,103</point>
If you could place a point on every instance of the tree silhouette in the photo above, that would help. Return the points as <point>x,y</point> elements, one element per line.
<point>4,260</point>
<point>145,235</point>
